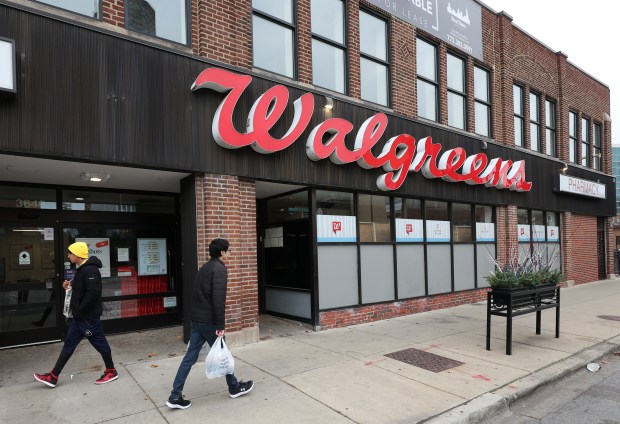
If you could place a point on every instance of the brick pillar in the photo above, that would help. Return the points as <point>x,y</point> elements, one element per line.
<point>304,42</point>
<point>610,248</point>
<point>566,232</point>
<point>226,208</point>
<point>507,239</point>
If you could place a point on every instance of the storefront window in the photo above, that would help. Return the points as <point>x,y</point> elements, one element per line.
<point>86,8</point>
<point>408,208</point>
<point>334,203</point>
<point>485,225</point>
<point>374,218</point>
<point>437,221</point>
<point>159,18</point>
<point>553,227</point>
<point>461,223</point>
<point>82,200</point>
<point>409,223</point>
<point>135,267</point>
<point>538,226</point>
<point>288,207</point>
<point>27,197</point>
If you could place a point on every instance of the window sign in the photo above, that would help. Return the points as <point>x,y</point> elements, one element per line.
<point>553,233</point>
<point>437,231</point>
<point>274,237</point>
<point>524,232</point>
<point>485,231</point>
<point>170,302</point>
<point>409,230</point>
<point>99,247</point>
<point>152,257</point>
<point>122,254</point>
<point>336,228</point>
<point>538,232</point>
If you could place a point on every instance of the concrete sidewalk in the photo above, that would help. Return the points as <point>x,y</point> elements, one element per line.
<point>332,376</point>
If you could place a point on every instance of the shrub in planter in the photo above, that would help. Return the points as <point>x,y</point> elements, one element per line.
<point>533,271</point>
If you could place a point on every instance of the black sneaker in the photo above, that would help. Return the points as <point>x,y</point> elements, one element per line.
<point>178,403</point>
<point>243,388</point>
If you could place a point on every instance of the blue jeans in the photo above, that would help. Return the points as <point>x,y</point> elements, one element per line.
<point>200,334</point>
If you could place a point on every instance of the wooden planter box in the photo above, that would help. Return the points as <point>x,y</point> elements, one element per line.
<point>512,302</point>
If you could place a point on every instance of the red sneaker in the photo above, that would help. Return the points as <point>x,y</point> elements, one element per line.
<point>49,379</point>
<point>108,375</point>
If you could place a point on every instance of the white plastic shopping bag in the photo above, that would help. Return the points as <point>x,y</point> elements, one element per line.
<point>66,311</point>
<point>219,361</point>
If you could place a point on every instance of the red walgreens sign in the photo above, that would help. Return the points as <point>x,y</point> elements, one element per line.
<point>400,155</point>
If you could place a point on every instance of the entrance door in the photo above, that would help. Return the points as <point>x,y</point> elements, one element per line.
<point>286,284</point>
<point>30,285</point>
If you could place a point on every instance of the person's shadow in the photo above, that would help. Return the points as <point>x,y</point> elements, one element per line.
<point>48,310</point>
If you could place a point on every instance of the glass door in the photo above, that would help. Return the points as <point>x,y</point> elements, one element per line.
<point>30,285</point>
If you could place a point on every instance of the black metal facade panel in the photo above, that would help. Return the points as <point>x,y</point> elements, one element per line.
<point>92,96</point>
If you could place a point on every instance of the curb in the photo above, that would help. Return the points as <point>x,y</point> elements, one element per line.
<point>494,404</point>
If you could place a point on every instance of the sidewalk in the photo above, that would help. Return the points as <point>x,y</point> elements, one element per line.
<point>332,376</point>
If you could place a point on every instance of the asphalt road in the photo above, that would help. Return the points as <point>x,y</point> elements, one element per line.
<point>583,397</point>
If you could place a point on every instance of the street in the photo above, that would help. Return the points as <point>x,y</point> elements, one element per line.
<point>583,397</point>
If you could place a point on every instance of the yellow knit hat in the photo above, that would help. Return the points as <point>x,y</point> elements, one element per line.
<point>79,249</point>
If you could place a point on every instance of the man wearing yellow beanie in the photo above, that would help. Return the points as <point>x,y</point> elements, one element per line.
<point>86,309</point>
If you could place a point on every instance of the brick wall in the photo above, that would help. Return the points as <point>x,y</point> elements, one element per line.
<point>579,248</point>
<point>226,208</point>
<point>363,314</point>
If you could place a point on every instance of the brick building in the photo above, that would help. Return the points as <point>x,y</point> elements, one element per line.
<point>147,128</point>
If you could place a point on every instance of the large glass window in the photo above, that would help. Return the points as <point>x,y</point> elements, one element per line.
<point>482,102</point>
<point>596,147</point>
<point>426,60</point>
<point>461,223</point>
<point>160,18</point>
<point>273,29</point>
<point>334,203</point>
<point>585,142</point>
<point>535,122</point>
<point>456,92</point>
<point>519,118</point>
<point>89,8</point>
<point>374,218</point>
<point>437,221</point>
<point>550,128</point>
<point>408,208</point>
<point>132,285</point>
<point>572,137</point>
<point>328,44</point>
<point>374,58</point>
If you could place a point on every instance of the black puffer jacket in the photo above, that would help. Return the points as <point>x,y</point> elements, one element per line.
<point>209,294</point>
<point>86,297</point>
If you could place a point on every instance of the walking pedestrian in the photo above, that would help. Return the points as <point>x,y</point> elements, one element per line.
<point>207,322</point>
<point>86,309</point>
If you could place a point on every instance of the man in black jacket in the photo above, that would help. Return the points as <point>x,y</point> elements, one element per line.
<point>207,322</point>
<point>86,309</point>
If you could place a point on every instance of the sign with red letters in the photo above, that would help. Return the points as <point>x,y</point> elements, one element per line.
<point>400,155</point>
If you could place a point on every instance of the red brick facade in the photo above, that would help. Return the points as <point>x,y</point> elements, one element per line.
<point>226,207</point>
